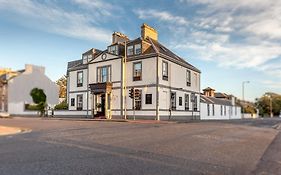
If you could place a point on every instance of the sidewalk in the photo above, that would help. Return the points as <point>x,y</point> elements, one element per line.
<point>9,130</point>
<point>112,120</point>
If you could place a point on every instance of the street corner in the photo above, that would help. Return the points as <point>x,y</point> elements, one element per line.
<point>5,130</point>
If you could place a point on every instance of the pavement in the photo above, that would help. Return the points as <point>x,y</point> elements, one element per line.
<point>9,130</point>
<point>86,147</point>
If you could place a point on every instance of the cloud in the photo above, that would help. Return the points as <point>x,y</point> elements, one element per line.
<point>272,84</point>
<point>161,15</point>
<point>52,18</point>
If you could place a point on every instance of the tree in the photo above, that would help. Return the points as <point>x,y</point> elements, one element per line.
<point>39,98</point>
<point>62,86</point>
<point>263,103</point>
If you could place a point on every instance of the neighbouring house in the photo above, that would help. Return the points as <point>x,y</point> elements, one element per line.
<point>15,87</point>
<point>218,106</point>
<point>99,84</point>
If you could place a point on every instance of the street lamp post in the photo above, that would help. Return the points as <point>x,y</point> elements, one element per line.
<point>243,96</point>
<point>270,105</point>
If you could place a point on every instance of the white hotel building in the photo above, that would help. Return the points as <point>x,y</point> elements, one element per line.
<point>99,83</point>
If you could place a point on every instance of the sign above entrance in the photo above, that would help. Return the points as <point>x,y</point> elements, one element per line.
<point>98,88</point>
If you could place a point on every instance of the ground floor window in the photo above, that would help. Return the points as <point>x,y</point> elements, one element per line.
<point>195,103</point>
<point>138,99</point>
<point>79,102</point>
<point>180,101</point>
<point>221,110</point>
<point>186,102</point>
<point>224,110</point>
<point>213,109</point>
<point>148,99</point>
<point>208,109</point>
<point>72,101</point>
<point>173,100</point>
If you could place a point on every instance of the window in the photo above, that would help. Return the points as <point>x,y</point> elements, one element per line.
<point>230,111</point>
<point>165,70</point>
<point>104,74</point>
<point>130,50</point>
<point>186,102</point>
<point>213,109</point>
<point>137,71</point>
<point>138,49</point>
<point>188,79</point>
<point>79,78</point>
<point>224,110</point>
<point>148,99</point>
<point>235,110</point>
<point>195,103</point>
<point>180,101</point>
<point>138,100</point>
<point>113,49</point>
<point>221,110</point>
<point>173,100</point>
<point>79,102</point>
<point>72,101</point>
<point>208,109</point>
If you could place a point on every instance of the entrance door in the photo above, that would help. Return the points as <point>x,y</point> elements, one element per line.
<point>103,105</point>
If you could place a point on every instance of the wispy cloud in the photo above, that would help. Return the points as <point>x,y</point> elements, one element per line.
<point>52,18</point>
<point>161,15</point>
<point>233,33</point>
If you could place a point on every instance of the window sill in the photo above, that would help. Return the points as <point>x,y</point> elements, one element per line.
<point>136,78</point>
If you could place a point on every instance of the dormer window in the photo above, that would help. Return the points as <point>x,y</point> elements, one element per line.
<point>113,49</point>
<point>130,50</point>
<point>138,49</point>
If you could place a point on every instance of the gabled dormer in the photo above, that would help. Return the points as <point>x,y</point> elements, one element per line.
<point>89,55</point>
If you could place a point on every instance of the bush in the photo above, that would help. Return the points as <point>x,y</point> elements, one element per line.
<point>62,106</point>
<point>33,107</point>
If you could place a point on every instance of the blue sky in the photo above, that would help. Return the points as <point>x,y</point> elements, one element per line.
<point>229,41</point>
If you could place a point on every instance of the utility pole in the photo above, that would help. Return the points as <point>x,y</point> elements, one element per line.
<point>243,96</point>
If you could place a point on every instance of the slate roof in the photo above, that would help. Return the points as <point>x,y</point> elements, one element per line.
<point>76,65</point>
<point>214,100</point>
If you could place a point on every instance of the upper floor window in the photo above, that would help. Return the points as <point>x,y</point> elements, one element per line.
<point>188,78</point>
<point>137,71</point>
<point>79,78</point>
<point>130,50</point>
<point>113,49</point>
<point>165,70</point>
<point>138,49</point>
<point>186,102</point>
<point>104,74</point>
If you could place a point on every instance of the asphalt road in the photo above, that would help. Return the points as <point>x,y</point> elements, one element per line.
<point>91,147</point>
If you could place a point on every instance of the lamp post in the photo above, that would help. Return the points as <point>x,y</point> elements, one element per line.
<point>270,105</point>
<point>243,96</point>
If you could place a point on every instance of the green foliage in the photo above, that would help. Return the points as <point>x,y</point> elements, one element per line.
<point>39,98</point>
<point>62,106</point>
<point>38,95</point>
<point>32,107</point>
<point>263,103</point>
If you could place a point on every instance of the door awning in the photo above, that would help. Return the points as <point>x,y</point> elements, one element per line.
<point>99,88</point>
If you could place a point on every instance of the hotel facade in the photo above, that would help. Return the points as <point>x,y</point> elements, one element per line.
<point>99,84</point>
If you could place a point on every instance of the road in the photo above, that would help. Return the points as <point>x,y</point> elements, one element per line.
<point>91,147</point>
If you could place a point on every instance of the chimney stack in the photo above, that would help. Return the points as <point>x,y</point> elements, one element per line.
<point>119,37</point>
<point>209,92</point>
<point>147,31</point>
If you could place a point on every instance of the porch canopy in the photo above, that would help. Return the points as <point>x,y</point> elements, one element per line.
<point>100,88</point>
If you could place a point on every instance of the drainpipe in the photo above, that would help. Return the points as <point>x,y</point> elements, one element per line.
<point>157,88</point>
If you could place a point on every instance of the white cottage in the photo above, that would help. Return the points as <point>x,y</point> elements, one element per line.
<point>99,84</point>
<point>15,89</point>
<point>218,106</point>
